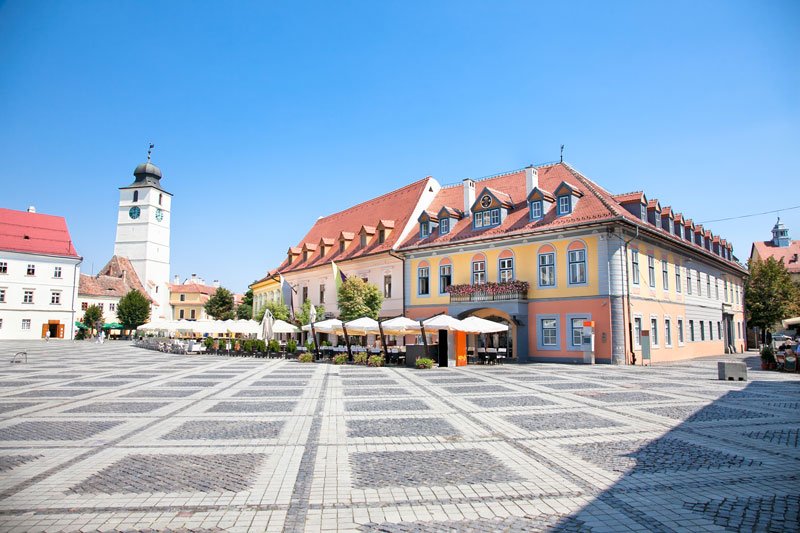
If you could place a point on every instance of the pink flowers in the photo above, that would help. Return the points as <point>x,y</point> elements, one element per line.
<point>490,289</point>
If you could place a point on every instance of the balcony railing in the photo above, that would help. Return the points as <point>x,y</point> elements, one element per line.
<point>489,292</point>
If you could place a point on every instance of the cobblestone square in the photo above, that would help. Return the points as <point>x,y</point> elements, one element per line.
<point>133,440</point>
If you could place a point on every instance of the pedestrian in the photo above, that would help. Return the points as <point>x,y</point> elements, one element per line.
<point>47,336</point>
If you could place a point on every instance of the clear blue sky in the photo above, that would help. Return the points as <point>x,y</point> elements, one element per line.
<point>267,115</point>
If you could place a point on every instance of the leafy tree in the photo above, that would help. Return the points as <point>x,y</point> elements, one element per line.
<point>357,298</point>
<point>133,310</point>
<point>220,305</point>
<point>770,295</point>
<point>93,318</point>
<point>303,316</point>
<point>244,312</point>
<point>279,310</point>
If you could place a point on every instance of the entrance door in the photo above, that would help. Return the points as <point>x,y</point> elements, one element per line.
<point>443,347</point>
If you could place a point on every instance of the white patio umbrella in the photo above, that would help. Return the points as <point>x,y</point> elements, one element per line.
<point>280,326</point>
<point>211,327</point>
<point>332,325</point>
<point>267,322</point>
<point>445,322</point>
<point>473,324</point>
<point>247,327</point>
<point>362,326</point>
<point>400,326</point>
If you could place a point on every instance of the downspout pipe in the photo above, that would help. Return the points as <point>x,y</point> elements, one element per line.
<point>628,297</point>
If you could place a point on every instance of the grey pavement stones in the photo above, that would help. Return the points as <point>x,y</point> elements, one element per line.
<point>118,407</point>
<point>225,429</point>
<point>56,429</point>
<point>174,473</point>
<point>17,383</point>
<point>428,468</point>
<point>277,445</point>
<point>561,421</point>
<point>252,407</point>
<point>400,427</point>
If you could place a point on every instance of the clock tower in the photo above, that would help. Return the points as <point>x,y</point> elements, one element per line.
<point>143,221</point>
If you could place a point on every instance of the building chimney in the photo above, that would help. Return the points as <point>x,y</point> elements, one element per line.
<point>216,284</point>
<point>469,196</point>
<point>531,179</point>
<point>194,276</point>
<point>31,209</point>
<point>176,280</point>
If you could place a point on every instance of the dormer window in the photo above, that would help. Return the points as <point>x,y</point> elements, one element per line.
<point>424,229</point>
<point>363,240</point>
<point>444,226</point>
<point>341,246</point>
<point>564,204</point>
<point>381,236</point>
<point>486,219</point>
<point>322,251</point>
<point>536,210</point>
<point>643,214</point>
<point>290,258</point>
<point>305,255</point>
<point>567,196</point>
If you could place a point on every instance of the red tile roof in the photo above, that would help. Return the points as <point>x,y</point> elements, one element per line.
<point>117,278</point>
<point>787,254</point>
<point>595,205</point>
<point>35,233</point>
<point>396,206</point>
<point>192,288</point>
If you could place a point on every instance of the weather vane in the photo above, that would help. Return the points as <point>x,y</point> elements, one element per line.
<point>562,153</point>
<point>150,151</point>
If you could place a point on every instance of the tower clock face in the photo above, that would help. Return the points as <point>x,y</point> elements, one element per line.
<point>134,212</point>
<point>159,215</point>
<point>486,201</point>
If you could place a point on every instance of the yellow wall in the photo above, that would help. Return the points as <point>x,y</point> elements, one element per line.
<point>525,269</point>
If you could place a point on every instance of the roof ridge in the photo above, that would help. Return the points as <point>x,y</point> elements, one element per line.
<point>592,188</point>
<point>501,174</point>
<point>395,191</point>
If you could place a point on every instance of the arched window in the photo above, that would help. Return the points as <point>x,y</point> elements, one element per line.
<point>576,259</point>
<point>478,269</point>
<point>135,196</point>
<point>547,266</point>
<point>423,279</point>
<point>160,197</point>
<point>445,275</point>
<point>506,266</point>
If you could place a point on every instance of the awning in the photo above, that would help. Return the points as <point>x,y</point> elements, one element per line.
<point>473,324</point>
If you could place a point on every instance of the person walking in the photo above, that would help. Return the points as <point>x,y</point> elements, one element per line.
<point>47,336</point>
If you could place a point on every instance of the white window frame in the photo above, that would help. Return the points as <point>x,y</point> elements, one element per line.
<point>506,269</point>
<point>25,294</point>
<point>57,272</point>
<point>580,266</point>
<point>26,324</point>
<point>681,332</point>
<point>564,204</point>
<point>668,332</point>
<point>637,331</point>
<point>654,332</point>
<point>554,331</point>
<point>479,272</point>
<point>55,297</point>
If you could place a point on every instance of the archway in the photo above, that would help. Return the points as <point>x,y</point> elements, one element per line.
<point>502,344</point>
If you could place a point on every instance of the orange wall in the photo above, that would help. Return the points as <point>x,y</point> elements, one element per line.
<point>598,308</point>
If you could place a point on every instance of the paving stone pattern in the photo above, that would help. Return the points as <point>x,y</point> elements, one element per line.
<point>114,438</point>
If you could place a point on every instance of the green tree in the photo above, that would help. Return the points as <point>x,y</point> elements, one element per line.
<point>133,310</point>
<point>357,298</point>
<point>303,316</point>
<point>279,310</point>
<point>770,295</point>
<point>93,318</point>
<point>220,305</point>
<point>245,309</point>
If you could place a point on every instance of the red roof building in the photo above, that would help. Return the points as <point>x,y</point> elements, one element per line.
<point>781,248</point>
<point>35,233</point>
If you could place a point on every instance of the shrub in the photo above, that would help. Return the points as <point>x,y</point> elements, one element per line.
<point>274,345</point>
<point>768,354</point>
<point>208,342</point>
<point>306,358</point>
<point>375,360</point>
<point>360,359</point>
<point>340,359</point>
<point>310,345</point>
<point>424,362</point>
<point>291,346</point>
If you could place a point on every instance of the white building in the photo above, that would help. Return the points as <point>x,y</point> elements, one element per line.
<point>143,230</point>
<point>39,272</point>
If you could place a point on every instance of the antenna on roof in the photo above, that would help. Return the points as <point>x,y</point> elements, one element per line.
<point>149,151</point>
<point>562,153</point>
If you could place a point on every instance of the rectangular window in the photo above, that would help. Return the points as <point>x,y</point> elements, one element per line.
<point>182,297</point>
<point>422,281</point>
<point>341,246</point>
<point>180,313</point>
<point>445,277</point>
<point>637,331</point>
<point>305,294</point>
<point>564,205</point>
<point>667,332</point>
<point>444,226</point>
<point>84,306</point>
<point>716,288</point>
<point>651,270</point>
<point>680,331</point>
<point>536,209</point>
<point>31,270</point>
<point>549,332</point>
<point>708,285</point>
<point>100,305</point>
<point>192,314</point>
<point>702,330</point>
<point>719,330</point>
<point>547,270</point>
<point>654,331</point>
<point>423,229</point>
<point>55,297</point>
<point>495,217</point>
<point>677,278</point>
<point>321,293</point>
<point>381,239</point>
<point>478,272</point>
<point>577,267</point>
<point>1,323</point>
<point>322,251</point>
<point>387,286</point>
<point>665,274</point>
<point>635,266</point>
<point>725,288</point>
<point>112,307</point>
<point>27,297</point>
<point>738,330</point>
<point>688,281</point>
<point>2,296</point>
<point>26,323</point>
<point>363,240</point>
<point>577,332</point>
<point>710,331</point>
<point>507,269</point>
<point>3,267</point>
<point>57,272</point>
<point>699,286</point>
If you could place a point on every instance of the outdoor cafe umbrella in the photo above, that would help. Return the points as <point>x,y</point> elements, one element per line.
<point>362,326</point>
<point>445,322</point>
<point>266,325</point>
<point>400,326</point>
<point>331,325</point>
<point>281,326</point>
<point>474,324</point>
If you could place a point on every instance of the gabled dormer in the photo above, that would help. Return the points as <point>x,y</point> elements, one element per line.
<point>490,208</point>
<point>729,248</point>
<point>385,228</point>
<point>667,219</point>
<point>292,254</point>
<point>654,212</point>
<point>365,235</point>
<point>308,250</point>
<point>345,238</point>
<point>448,216</point>
<point>427,224</point>
<point>678,225</point>
<point>716,248</point>
<point>708,238</point>
<point>635,203</point>
<point>539,203</point>
<point>698,235</point>
<point>567,196</point>
<point>688,230</point>
<point>325,246</point>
